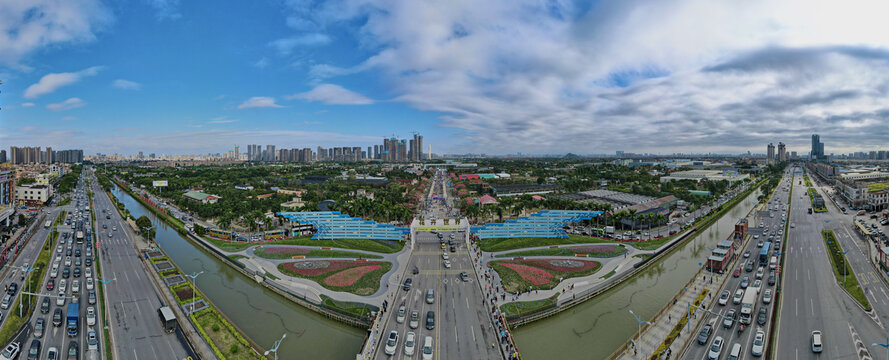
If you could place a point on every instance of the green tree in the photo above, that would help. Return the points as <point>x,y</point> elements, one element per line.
<point>200,230</point>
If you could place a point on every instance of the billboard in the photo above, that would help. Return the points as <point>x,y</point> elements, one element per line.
<point>158,183</point>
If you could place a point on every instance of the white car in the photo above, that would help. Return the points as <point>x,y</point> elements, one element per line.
<point>59,249</point>
<point>67,261</point>
<point>758,343</point>
<point>88,272</point>
<point>723,299</point>
<point>401,313</point>
<point>10,352</point>
<point>447,264</point>
<point>63,285</point>
<point>392,343</point>
<point>89,283</point>
<point>92,340</point>
<point>817,346</point>
<point>60,301</point>
<point>75,287</point>
<point>715,349</point>
<point>739,295</point>
<point>91,316</point>
<point>767,296</point>
<point>427,348</point>
<point>410,344</point>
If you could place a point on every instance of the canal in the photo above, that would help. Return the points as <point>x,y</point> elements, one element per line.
<point>598,327</point>
<point>260,313</point>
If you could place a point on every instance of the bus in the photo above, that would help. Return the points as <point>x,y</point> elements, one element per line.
<point>47,224</point>
<point>764,254</point>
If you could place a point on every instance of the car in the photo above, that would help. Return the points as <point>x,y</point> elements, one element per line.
<point>772,278</point>
<point>447,264</point>
<point>747,254</point>
<point>739,295</point>
<point>453,248</point>
<point>73,349</point>
<point>410,343</point>
<point>401,313</point>
<point>767,296</point>
<point>392,343</point>
<point>749,266</point>
<point>77,271</point>
<point>90,285</point>
<point>90,316</point>
<point>88,272</point>
<point>757,285</point>
<point>760,272</point>
<point>464,276</point>
<point>11,351</point>
<point>44,305</point>
<point>763,316</point>
<point>443,245</point>
<point>416,270</point>
<point>75,287</point>
<point>817,346</point>
<point>55,270</point>
<point>92,341</point>
<point>39,327</point>
<point>430,320</point>
<point>57,317</point>
<point>415,320</point>
<point>704,335</point>
<point>745,282</point>
<point>756,236</point>
<point>715,348</point>
<point>758,343</point>
<point>60,300</point>
<point>737,272</point>
<point>723,299</point>
<point>729,320</point>
<point>427,348</point>
<point>114,228</point>
<point>66,272</point>
<point>792,225</point>
<point>759,244</point>
<point>63,286</point>
<point>407,284</point>
<point>430,296</point>
<point>68,260</point>
<point>78,261</point>
<point>34,350</point>
<point>444,256</point>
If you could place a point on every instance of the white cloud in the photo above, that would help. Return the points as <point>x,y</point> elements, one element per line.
<point>332,95</point>
<point>221,120</point>
<point>285,46</point>
<point>53,81</point>
<point>28,104</point>
<point>165,9</point>
<point>554,77</point>
<point>69,104</point>
<point>259,102</point>
<point>68,118</point>
<point>261,63</point>
<point>126,84</point>
<point>28,26</point>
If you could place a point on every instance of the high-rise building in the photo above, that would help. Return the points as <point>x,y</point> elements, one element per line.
<point>2,156</point>
<point>782,152</point>
<point>817,152</point>
<point>47,156</point>
<point>237,152</point>
<point>69,156</point>
<point>770,154</point>
<point>369,154</point>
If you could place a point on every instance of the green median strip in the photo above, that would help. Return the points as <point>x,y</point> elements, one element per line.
<point>842,270</point>
<point>13,321</point>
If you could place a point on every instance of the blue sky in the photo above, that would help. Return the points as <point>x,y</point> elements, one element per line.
<point>500,76</point>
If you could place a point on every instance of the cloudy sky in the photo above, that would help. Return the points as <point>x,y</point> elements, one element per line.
<point>494,76</point>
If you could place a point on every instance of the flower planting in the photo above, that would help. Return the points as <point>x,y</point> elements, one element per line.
<point>357,277</point>
<point>520,275</point>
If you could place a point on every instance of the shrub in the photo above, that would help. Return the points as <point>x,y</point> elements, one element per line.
<point>215,327</point>
<point>234,349</point>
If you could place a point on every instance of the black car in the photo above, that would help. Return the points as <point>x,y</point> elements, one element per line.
<point>763,316</point>
<point>749,267</point>
<point>57,317</point>
<point>66,272</point>
<point>416,270</point>
<point>73,349</point>
<point>407,284</point>
<point>89,261</point>
<point>34,351</point>
<point>77,271</point>
<point>13,287</point>
<point>772,279</point>
<point>430,320</point>
<point>44,305</point>
<point>704,335</point>
<point>77,252</point>
<point>453,249</point>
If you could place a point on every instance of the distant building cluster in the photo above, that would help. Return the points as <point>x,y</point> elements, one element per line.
<point>34,155</point>
<point>392,150</point>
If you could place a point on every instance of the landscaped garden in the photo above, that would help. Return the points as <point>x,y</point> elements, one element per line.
<point>524,274</point>
<point>842,271</point>
<point>520,308</point>
<point>603,251</point>
<point>288,252</point>
<point>226,342</point>
<point>352,276</point>
<point>380,246</point>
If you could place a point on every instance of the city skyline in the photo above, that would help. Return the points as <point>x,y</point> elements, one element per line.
<point>130,78</point>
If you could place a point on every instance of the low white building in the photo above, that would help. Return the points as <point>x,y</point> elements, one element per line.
<point>698,175</point>
<point>33,194</point>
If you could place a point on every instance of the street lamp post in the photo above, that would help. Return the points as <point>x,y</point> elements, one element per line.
<point>639,323</point>
<point>885,346</point>
<point>194,278</point>
<point>105,282</point>
<point>28,271</point>
<point>845,266</point>
<point>275,348</point>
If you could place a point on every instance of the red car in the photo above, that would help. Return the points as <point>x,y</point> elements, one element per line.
<point>737,272</point>
<point>50,284</point>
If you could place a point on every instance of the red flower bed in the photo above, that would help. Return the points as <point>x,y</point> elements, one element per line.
<point>530,274</point>
<point>319,267</point>
<point>184,293</point>
<point>604,249</point>
<point>349,276</point>
<point>560,265</point>
<point>284,250</point>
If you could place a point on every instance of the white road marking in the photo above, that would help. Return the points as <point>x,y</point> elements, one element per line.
<point>812,302</point>
<point>796,307</point>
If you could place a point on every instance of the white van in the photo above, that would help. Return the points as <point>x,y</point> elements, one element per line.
<point>735,354</point>
<point>6,300</point>
<point>773,263</point>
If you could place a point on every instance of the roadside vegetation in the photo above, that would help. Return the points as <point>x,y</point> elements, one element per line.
<point>13,321</point>
<point>380,246</point>
<point>282,252</point>
<point>600,251</point>
<point>840,268</point>
<point>356,309</point>
<point>525,308</point>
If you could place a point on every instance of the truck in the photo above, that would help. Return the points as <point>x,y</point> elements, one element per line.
<point>47,224</point>
<point>609,230</point>
<point>80,237</point>
<point>748,304</point>
<point>73,318</point>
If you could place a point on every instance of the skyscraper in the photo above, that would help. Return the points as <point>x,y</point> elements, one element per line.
<point>770,154</point>
<point>782,152</point>
<point>817,148</point>
<point>237,152</point>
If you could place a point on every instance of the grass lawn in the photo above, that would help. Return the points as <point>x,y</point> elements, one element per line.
<point>841,267</point>
<point>316,253</point>
<point>642,256</point>
<point>346,307</point>
<point>877,186</point>
<point>528,307</point>
<point>513,282</point>
<point>564,251</point>
<point>237,257</point>
<point>609,274</point>
<point>368,284</point>
<point>504,244</point>
<point>226,342</point>
<point>381,246</point>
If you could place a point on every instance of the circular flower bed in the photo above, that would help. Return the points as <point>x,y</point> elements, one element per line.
<point>357,277</point>
<point>519,275</point>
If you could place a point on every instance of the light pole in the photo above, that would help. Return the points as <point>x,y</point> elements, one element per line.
<point>275,348</point>
<point>105,283</point>
<point>194,291</point>
<point>885,346</point>
<point>28,271</point>
<point>639,323</point>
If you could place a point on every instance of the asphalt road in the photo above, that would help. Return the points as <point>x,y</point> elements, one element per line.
<point>132,298</point>
<point>771,220</point>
